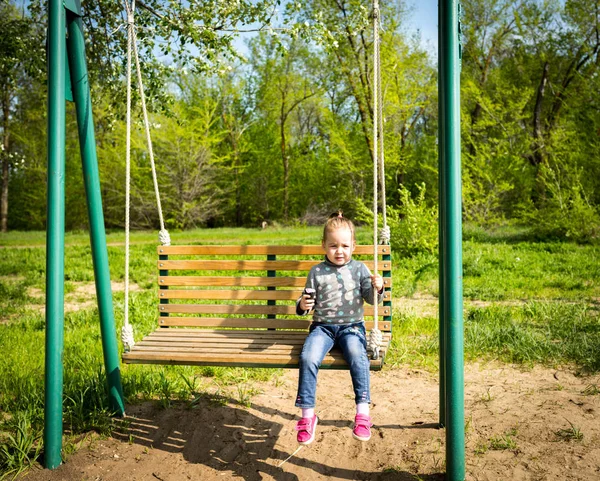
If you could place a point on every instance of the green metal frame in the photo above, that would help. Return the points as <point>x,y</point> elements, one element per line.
<point>451,296</point>
<point>65,74</point>
<point>66,58</point>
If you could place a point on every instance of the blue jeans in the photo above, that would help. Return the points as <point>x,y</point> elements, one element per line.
<point>352,340</point>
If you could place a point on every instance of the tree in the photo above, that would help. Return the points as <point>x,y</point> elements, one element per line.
<point>21,57</point>
<point>494,112</point>
<point>286,82</point>
<point>342,27</point>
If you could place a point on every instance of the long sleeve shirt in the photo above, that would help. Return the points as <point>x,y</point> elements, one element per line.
<point>341,292</point>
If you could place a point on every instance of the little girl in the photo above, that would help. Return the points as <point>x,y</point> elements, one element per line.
<point>342,285</point>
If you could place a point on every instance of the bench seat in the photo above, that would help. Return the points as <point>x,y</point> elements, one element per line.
<point>246,318</point>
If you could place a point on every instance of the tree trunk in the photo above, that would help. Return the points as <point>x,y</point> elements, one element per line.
<point>537,157</point>
<point>285,160</point>
<point>236,170</point>
<point>363,110</point>
<point>234,136</point>
<point>4,155</point>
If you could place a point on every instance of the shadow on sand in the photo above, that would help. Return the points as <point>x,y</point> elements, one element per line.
<point>239,442</point>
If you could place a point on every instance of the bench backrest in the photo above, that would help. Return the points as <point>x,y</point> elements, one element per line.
<point>249,286</point>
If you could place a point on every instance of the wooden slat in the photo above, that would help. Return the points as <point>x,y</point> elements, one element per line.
<point>263,323</point>
<point>231,294</point>
<point>253,348</point>
<point>220,343</point>
<point>240,265</point>
<point>234,322</point>
<point>240,360</point>
<point>236,294</point>
<point>237,250</point>
<point>195,334</point>
<point>226,342</point>
<point>214,346</point>
<point>232,281</point>
<point>224,334</point>
<point>247,309</point>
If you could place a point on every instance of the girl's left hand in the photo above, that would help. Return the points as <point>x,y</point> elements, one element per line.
<point>377,282</point>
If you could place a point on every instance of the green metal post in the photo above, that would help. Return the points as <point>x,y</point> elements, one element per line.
<point>449,59</point>
<point>162,289</point>
<point>55,237</point>
<point>271,257</point>
<point>87,144</point>
<point>441,229</point>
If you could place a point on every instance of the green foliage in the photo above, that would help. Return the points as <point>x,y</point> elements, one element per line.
<point>20,445</point>
<point>285,135</point>
<point>413,224</point>
<point>493,166</point>
<point>565,212</point>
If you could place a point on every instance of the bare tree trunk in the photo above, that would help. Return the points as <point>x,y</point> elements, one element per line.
<point>4,155</point>
<point>285,160</point>
<point>364,108</point>
<point>537,157</point>
<point>283,116</point>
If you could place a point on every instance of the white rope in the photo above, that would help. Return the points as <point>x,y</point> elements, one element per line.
<point>164,235</point>
<point>375,335</point>
<point>385,230</point>
<point>127,331</point>
<point>127,336</point>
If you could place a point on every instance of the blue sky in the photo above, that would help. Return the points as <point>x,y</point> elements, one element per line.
<point>425,19</point>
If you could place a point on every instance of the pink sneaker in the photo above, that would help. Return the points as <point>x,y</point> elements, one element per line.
<point>362,427</point>
<point>307,428</point>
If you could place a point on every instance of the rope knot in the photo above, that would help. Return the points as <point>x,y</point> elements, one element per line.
<point>375,341</point>
<point>127,337</point>
<point>385,235</point>
<point>164,238</point>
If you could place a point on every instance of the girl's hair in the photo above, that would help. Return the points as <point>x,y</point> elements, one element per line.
<point>337,221</point>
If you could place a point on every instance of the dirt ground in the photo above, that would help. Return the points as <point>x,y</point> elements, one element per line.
<point>537,424</point>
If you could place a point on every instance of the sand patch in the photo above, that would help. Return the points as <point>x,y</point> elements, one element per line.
<point>526,409</point>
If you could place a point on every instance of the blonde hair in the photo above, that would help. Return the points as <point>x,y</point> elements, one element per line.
<point>337,221</point>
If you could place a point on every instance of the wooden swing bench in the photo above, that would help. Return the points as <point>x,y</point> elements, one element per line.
<point>210,319</point>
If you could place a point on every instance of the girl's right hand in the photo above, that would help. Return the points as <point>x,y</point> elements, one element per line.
<point>306,303</point>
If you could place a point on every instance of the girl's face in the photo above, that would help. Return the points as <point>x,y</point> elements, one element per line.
<point>339,246</point>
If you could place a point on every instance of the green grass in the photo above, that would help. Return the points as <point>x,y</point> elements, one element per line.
<point>572,433</point>
<point>518,271</point>
<point>525,303</point>
<point>503,442</point>
<point>537,332</point>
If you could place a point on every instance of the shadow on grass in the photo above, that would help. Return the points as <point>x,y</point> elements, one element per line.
<point>240,443</point>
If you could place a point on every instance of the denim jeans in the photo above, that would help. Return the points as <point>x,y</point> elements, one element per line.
<point>352,340</point>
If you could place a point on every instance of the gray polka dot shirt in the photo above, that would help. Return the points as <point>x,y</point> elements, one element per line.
<point>341,292</point>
